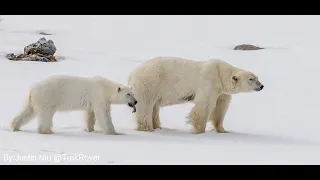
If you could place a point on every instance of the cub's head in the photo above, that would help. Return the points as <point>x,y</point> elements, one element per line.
<point>245,81</point>
<point>126,96</point>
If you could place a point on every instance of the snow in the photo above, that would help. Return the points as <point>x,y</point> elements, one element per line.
<point>278,125</point>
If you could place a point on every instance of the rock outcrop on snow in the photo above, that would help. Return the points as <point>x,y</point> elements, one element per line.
<point>247,47</point>
<point>43,50</point>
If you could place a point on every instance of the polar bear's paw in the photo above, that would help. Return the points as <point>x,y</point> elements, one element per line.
<point>112,133</point>
<point>220,130</point>
<point>198,131</point>
<point>13,127</point>
<point>156,126</point>
<point>88,129</point>
<point>145,129</point>
<point>117,133</point>
<point>47,131</point>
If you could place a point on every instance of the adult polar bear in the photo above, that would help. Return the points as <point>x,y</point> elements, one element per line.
<point>94,95</point>
<point>165,81</point>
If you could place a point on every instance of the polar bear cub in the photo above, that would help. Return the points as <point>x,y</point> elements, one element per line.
<point>165,81</point>
<point>93,95</point>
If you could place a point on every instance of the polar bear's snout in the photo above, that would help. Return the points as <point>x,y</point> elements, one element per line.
<point>126,96</point>
<point>133,103</point>
<point>260,86</point>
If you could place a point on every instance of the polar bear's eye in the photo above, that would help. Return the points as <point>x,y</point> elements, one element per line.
<point>128,94</point>
<point>250,79</point>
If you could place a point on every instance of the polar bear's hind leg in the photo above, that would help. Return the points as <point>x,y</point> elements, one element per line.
<point>156,117</point>
<point>24,116</point>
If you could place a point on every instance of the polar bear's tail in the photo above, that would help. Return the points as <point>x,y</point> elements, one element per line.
<point>24,116</point>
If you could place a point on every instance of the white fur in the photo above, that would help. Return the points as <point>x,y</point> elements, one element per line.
<point>68,93</point>
<point>165,81</point>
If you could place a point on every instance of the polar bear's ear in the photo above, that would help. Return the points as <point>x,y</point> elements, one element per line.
<point>235,78</point>
<point>119,89</point>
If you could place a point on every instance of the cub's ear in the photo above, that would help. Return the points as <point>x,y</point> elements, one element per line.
<point>235,78</point>
<point>119,89</point>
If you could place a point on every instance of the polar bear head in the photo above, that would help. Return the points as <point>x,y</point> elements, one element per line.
<point>245,81</point>
<point>126,96</point>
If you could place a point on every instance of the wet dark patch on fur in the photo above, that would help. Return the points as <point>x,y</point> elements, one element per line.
<point>159,101</point>
<point>188,98</point>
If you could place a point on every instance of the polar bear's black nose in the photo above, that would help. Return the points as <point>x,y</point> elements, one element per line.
<point>261,87</point>
<point>135,102</point>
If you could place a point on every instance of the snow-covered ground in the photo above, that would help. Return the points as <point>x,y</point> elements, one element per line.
<point>279,125</point>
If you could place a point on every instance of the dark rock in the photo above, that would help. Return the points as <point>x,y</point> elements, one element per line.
<point>42,46</point>
<point>42,50</point>
<point>43,33</point>
<point>31,57</point>
<point>247,47</point>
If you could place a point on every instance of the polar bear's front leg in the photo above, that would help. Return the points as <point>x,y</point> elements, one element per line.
<point>45,121</point>
<point>89,121</point>
<point>144,117</point>
<point>217,114</point>
<point>104,119</point>
<point>199,113</point>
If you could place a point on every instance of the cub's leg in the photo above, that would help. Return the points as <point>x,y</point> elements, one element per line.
<point>105,121</point>
<point>45,120</point>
